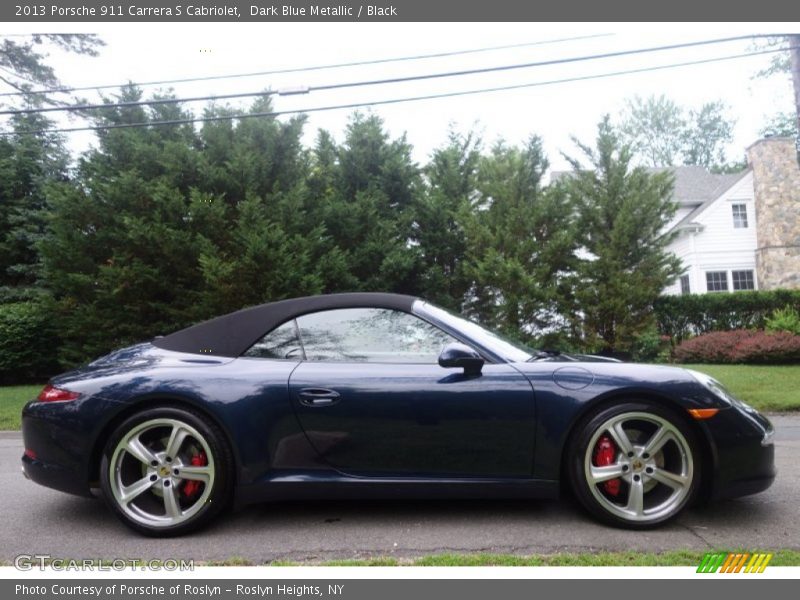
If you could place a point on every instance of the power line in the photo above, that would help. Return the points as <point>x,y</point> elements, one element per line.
<point>20,86</point>
<point>8,82</point>
<point>17,75</point>
<point>401,100</point>
<point>323,67</point>
<point>391,80</point>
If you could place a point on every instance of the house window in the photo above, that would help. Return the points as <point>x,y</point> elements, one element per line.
<point>717,281</point>
<point>685,289</point>
<point>739,216</point>
<point>743,280</point>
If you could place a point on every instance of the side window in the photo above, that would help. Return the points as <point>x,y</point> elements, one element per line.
<point>743,280</point>
<point>370,335</point>
<point>717,281</point>
<point>685,286</point>
<point>281,342</point>
<point>739,216</point>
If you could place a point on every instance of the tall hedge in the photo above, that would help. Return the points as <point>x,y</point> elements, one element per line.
<point>693,314</point>
<point>28,343</point>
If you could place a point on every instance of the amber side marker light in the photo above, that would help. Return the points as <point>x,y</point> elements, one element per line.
<point>703,413</point>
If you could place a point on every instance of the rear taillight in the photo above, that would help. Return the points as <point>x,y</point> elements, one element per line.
<point>54,394</point>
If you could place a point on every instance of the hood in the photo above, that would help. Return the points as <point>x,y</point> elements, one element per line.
<point>572,357</point>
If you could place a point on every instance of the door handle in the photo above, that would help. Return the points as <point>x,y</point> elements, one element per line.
<point>318,396</point>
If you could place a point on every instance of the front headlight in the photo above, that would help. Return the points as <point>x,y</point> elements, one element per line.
<point>716,388</point>
<point>769,437</point>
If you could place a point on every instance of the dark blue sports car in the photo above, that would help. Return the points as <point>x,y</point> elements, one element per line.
<point>381,395</point>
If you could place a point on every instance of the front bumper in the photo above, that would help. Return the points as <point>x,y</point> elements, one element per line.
<point>745,453</point>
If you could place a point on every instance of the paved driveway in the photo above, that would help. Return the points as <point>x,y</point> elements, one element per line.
<point>38,520</point>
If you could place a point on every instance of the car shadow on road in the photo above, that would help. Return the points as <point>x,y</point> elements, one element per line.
<point>93,516</point>
<point>380,510</point>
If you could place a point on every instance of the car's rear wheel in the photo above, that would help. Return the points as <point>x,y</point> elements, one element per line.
<point>166,471</point>
<point>635,465</point>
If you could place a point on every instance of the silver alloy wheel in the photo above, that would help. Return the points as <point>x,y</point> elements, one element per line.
<point>641,464</point>
<point>159,468</point>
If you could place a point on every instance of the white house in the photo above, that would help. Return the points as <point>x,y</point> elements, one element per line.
<point>715,231</point>
<point>741,231</point>
<point>737,231</point>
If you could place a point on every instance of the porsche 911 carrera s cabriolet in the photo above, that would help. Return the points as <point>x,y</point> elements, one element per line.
<point>382,395</point>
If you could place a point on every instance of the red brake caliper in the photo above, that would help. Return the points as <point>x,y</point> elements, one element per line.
<point>605,453</point>
<point>191,487</point>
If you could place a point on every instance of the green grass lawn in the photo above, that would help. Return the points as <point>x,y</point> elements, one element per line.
<point>12,399</point>
<point>675,558</point>
<point>768,388</point>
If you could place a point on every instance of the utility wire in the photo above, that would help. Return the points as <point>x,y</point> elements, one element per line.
<point>391,80</point>
<point>21,88</point>
<point>399,100</point>
<point>376,61</point>
<point>18,76</point>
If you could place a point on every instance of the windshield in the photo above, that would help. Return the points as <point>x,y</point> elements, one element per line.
<point>492,341</point>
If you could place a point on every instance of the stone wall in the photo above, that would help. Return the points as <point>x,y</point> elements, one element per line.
<point>776,179</point>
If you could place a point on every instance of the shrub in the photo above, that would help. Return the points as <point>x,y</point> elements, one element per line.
<point>28,344</point>
<point>784,319</point>
<point>740,346</point>
<point>649,346</point>
<point>681,317</point>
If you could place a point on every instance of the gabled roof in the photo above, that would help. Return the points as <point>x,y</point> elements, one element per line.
<point>724,183</point>
<point>693,185</point>
<point>696,185</point>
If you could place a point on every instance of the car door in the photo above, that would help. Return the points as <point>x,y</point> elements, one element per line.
<point>373,400</point>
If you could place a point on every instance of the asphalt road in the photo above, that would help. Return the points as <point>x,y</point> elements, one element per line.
<point>36,520</point>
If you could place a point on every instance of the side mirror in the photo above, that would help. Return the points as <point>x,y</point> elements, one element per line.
<point>459,356</point>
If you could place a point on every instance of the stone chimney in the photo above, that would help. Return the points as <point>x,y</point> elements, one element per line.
<point>776,179</point>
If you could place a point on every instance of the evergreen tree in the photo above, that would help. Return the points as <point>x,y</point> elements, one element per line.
<point>437,231</point>
<point>29,162</point>
<point>26,69</point>
<point>622,211</point>
<point>275,244</point>
<point>366,208</point>
<point>520,243</point>
<point>121,255</point>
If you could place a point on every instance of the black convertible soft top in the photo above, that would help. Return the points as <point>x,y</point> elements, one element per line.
<point>232,334</point>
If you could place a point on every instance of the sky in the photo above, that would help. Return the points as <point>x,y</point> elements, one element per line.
<point>147,52</point>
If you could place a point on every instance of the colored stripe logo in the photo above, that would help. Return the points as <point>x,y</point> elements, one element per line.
<point>734,562</point>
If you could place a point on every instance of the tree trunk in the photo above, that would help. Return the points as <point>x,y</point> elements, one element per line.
<point>794,49</point>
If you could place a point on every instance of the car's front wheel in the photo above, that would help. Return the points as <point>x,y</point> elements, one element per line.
<point>635,464</point>
<point>166,471</point>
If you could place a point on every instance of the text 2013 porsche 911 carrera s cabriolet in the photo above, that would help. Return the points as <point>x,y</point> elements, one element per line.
<point>382,395</point>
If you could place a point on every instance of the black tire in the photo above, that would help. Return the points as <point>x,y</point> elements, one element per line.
<point>683,454</point>
<point>209,440</point>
